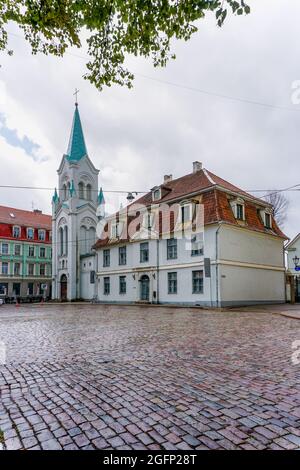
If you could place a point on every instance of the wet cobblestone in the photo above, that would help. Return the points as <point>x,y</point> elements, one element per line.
<point>110,377</point>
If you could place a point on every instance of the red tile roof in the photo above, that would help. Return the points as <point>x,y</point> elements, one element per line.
<point>11,215</point>
<point>215,198</point>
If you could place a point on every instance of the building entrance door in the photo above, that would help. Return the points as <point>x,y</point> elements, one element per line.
<point>63,288</point>
<point>145,288</point>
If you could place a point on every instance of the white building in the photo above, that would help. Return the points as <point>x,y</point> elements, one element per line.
<point>74,218</point>
<point>235,258</point>
<point>293,269</point>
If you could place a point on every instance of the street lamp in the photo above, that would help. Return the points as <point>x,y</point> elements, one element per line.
<point>296,261</point>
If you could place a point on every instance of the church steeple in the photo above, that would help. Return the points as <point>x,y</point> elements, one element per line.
<point>76,148</point>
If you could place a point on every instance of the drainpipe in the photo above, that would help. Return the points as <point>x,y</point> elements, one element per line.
<point>157,270</point>
<point>217,264</point>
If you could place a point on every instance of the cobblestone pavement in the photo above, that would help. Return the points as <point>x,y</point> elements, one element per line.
<point>100,377</point>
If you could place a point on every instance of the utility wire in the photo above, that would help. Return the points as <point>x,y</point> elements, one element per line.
<point>295,187</point>
<point>194,89</point>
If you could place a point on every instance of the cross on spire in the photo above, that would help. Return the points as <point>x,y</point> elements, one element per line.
<point>76,95</point>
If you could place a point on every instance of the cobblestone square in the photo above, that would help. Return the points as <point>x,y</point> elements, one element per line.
<point>110,377</point>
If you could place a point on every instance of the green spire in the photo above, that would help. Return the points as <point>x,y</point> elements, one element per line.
<point>76,148</point>
<point>72,189</point>
<point>55,197</point>
<point>101,199</point>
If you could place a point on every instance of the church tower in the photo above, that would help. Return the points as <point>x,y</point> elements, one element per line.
<point>74,215</point>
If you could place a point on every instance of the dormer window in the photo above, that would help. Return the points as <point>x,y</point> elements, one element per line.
<point>268,220</point>
<point>185,213</point>
<point>116,230</point>
<point>240,211</point>
<point>42,235</point>
<point>16,231</point>
<point>238,208</point>
<point>148,221</point>
<point>30,233</point>
<point>156,194</point>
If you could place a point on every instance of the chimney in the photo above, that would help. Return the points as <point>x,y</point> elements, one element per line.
<point>197,166</point>
<point>168,178</point>
<point>37,211</point>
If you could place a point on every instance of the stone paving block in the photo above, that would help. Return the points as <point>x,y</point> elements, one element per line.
<point>132,378</point>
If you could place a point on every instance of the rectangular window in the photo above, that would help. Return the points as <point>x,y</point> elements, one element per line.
<point>17,269</point>
<point>31,251</point>
<point>30,269</point>
<point>16,288</point>
<point>30,288</point>
<point>106,258</point>
<point>4,248</point>
<point>30,233</point>
<point>42,269</point>
<point>17,250</point>
<point>42,252</point>
<point>16,232</point>
<point>144,252</point>
<point>4,268</point>
<point>197,282</point>
<point>197,245</point>
<point>268,220</point>
<point>240,211</point>
<point>106,286</point>
<point>122,284</point>
<point>172,283</point>
<point>185,214</point>
<point>172,248</point>
<point>42,235</point>
<point>122,255</point>
<point>3,288</point>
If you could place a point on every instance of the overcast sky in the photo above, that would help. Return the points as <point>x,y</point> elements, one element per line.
<point>136,136</point>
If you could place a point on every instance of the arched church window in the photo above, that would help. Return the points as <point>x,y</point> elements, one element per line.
<point>88,192</point>
<point>66,240</point>
<point>81,190</point>
<point>69,188</point>
<point>91,238</point>
<point>83,240</point>
<point>61,241</point>
<point>64,192</point>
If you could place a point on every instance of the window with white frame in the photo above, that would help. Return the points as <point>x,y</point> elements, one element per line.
<point>4,249</point>
<point>240,211</point>
<point>122,255</point>
<point>197,245</point>
<point>4,267</point>
<point>268,220</point>
<point>172,248</point>
<point>116,230</point>
<point>106,258</point>
<point>31,251</point>
<point>30,269</point>
<point>172,283</point>
<point>17,250</point>
<point>42,269</point>
<point>42,235</point>
<point>42,252</point>
<point>16,231</point>
<point>197,281</point>
<point>106,285</point>
<point>156,194</point>
<point>122,284</point>
<point>17,269</point>
<point>144,252</point>
<point>30,233</point>
<point>185,213</point>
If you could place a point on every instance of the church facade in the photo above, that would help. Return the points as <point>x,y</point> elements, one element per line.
<point>75,206</point>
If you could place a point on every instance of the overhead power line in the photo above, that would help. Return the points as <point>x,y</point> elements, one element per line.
<point>194,89</point>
